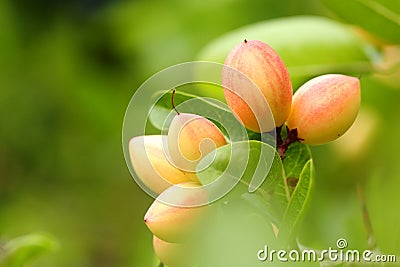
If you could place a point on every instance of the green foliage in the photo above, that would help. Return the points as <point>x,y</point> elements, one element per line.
<point>256,166</point>
<point>24,249</point>
<point>273,198</point>
<point>160,114</point>
<point>297,156</point>
<point>383,16</point>
<point>298,204</point>
<point>67,77</point>
<point>244,157</point>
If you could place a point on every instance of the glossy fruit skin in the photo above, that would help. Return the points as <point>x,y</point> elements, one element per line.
<point>151,165</point>
<point>176,224</point>
<point>324,108</point>
<point>172,254</point>
<point>190,138</point>
<point>261,64</point>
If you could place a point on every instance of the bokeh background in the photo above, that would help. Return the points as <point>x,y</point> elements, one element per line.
<point>67,72</point>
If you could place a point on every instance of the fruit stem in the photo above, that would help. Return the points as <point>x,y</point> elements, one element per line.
<point>279,140</point>
<point>172,101</point>
<point>161,264</point>
<point>367,220</point>
<point>291,137</point>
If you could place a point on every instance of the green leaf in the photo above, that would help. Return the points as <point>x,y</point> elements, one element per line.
<point>262,206</point>
<point>296,157</point>
<point>247,166</point>
<point>298,204</point>
<point>21,250</point>
<point>281,198</point>
<point>163,107</point>
<point>160,115</point>
<point>272,199</point>
<point>308,45</point>
<point>379,17</point>
<point>242,162</point>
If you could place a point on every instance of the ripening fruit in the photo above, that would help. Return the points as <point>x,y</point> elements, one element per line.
<point>151,165</point>
<point>259,62</point>
<point>172,254</point>
<point>190,138</point>
<point>325,107</point>
<point>177,223</point>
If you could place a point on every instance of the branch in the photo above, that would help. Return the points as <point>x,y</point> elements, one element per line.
<point>367,220</point>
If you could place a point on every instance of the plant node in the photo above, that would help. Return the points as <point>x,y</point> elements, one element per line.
<point>291,137</point>
<point>279,140</point>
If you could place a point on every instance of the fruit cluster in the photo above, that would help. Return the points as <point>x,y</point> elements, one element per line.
<point>320,111</point>
<point>167,163</point>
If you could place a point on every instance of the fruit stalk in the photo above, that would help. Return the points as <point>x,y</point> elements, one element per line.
<point>291,137</point>
<point>366,218</point>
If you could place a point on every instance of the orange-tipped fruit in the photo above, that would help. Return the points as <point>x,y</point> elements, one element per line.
<point>262,65</point>
<point>324,108</point>
<point>172,254</point>
<point>151,165</point>
<point>190,138</point>
<point>180,222</point>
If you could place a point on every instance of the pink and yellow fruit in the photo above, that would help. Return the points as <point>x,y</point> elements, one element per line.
<point>324,108</point>
<point>190,138</point>
<point>172,254</point>
<point>262,65</point>
<point>151,165</point>
<point>179,222</point>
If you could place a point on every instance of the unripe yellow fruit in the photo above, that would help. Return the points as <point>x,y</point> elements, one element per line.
<point>172,254</point>
<point>261,64</point>
<point>177,223</point>
<point>324,108</point>
<point>190,138</point>
<point>151,165</point>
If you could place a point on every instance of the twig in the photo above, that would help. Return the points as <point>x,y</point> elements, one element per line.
<point>172,101</point>
<point>291,137</point>
<point>366,218</point>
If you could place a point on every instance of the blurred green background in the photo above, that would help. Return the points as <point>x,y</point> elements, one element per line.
<point>67,72</point>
